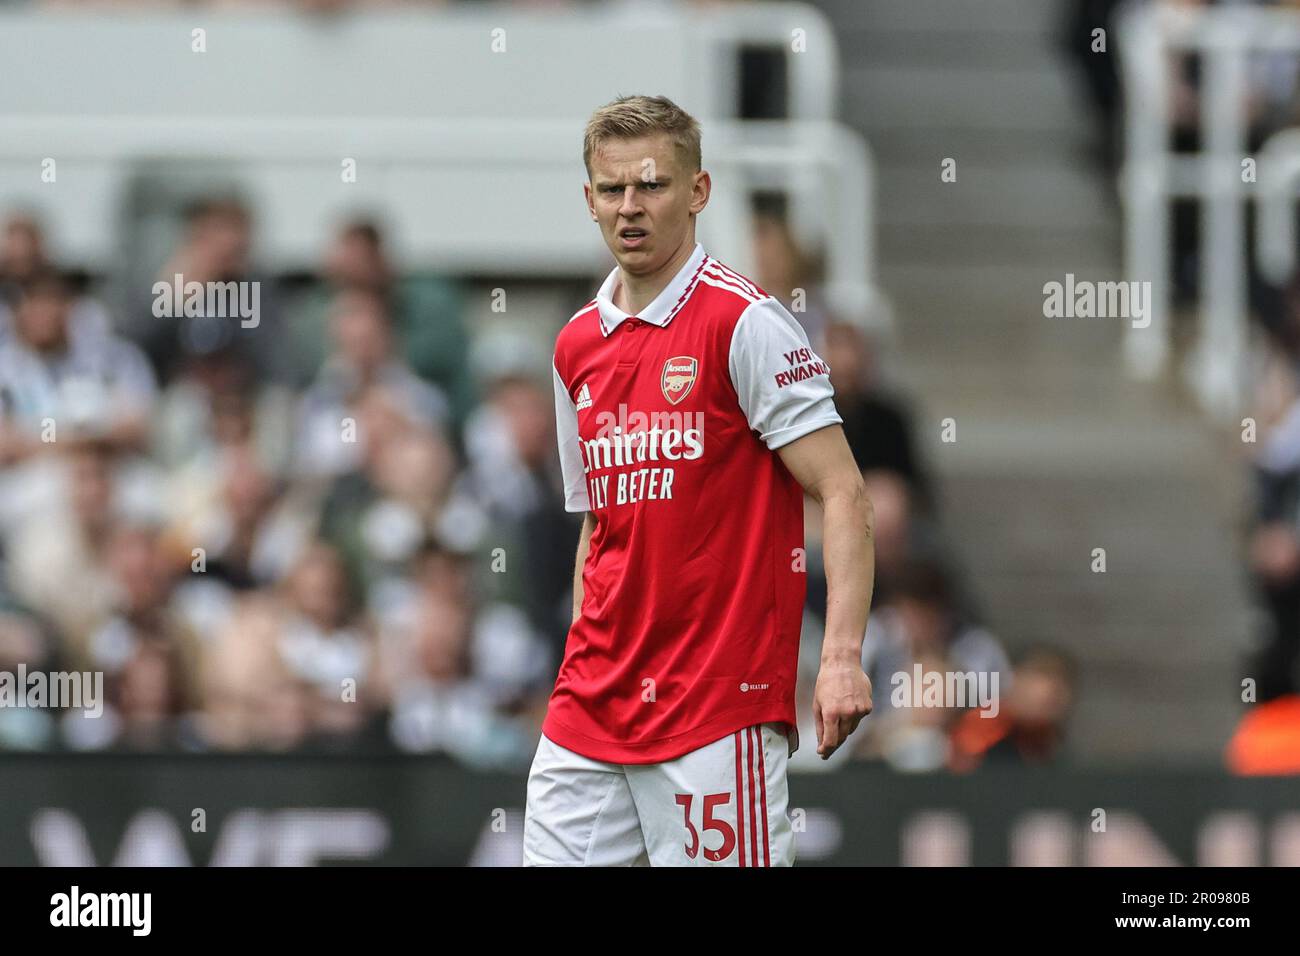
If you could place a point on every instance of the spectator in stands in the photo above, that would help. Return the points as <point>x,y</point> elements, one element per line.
<point>900,532</point>
<point>403,491</point>
<point>61,383</point>
<point>22,254</point>
<point>364,357</point>
<point>1030,724</point>
<point>326,642</point>
<point>66,539</point>
<point>149,699</point>
<point>514,471</point>
<point>877,424</point>
<point>146,652</point>
<point>355,259</point>
<point>438,704</point>
<point>24,642</point>
<point>1274,547</point>
<point>915,739</point>
<point>425,311</point>
<point>784,270</point>
<point>922,623</point>
<point>1267,741</point>
<point>217,402</point>
<point>22,257</point>
<point>251,701</point>
<point>215,250</point>
<point>247,527</point>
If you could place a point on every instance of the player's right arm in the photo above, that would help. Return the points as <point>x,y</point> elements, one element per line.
<point>584,542</point>
<point>575,482</point>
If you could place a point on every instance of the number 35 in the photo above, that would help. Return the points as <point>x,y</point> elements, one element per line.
<point>711,801</point>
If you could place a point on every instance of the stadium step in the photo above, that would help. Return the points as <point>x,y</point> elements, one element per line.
<point>990,194</point>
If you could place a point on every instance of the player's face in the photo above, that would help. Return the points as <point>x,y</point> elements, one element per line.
<point>645,200</point>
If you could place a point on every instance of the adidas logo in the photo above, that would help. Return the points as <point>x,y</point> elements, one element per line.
<point>584,397</point>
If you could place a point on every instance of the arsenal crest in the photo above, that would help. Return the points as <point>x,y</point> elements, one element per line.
<point>678,377</point>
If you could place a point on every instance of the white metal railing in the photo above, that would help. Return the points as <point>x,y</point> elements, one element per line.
<point>1153,175</point>
<point>828,172</point>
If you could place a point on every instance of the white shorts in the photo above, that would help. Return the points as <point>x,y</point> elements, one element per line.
<point>682,812</point>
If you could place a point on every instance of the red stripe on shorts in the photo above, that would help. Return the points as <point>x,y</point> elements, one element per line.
<point>740,817</point>
<point>762,790</point>
<point>753,823</point>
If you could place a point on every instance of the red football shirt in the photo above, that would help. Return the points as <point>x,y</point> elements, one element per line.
<point>694,584</point>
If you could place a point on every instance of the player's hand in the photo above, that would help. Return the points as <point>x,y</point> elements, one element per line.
<point>841,699</point>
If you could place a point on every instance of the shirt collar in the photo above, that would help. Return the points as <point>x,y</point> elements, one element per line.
<point>665,305</point>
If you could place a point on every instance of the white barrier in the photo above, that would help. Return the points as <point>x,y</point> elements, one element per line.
<point>1154,175</point>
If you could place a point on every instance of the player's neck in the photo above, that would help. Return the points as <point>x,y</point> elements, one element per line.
<point>634,293</point>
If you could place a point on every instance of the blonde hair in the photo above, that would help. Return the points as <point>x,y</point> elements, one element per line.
<point>631,117</point>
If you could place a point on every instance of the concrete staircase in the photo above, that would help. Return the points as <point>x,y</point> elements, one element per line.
<point>1057,451</point>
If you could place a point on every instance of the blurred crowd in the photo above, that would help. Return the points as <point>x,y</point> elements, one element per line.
<point>270,534</point>
<point>331,529</point>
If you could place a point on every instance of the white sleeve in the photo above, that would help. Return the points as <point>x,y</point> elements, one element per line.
<point>784,387</point>
<point>566,437</point>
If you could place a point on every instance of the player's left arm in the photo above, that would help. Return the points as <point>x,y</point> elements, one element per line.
<point>823,464</point>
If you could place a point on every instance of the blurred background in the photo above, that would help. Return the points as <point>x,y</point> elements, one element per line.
<point>318,549</point>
